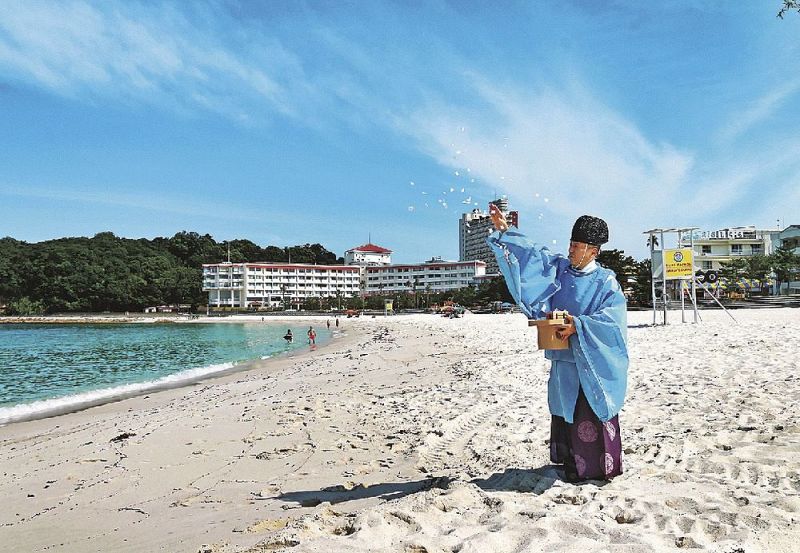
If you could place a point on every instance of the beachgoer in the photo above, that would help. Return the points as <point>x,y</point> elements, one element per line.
<point>587,382</point>
<point>328,322</point>
<point>312,336</point>
<point>337,322</point>
<point>288,336</point>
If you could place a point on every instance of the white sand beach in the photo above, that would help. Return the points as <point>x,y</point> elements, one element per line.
<point>424,434</point>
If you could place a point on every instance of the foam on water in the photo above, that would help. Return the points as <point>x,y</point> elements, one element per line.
<point>67,404</point>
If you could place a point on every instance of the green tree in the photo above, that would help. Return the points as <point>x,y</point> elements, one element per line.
<point>354,302</point>
<point>733,270</point>
<point>374,303</point>
<point>312,304</point>
<point>641,283</point>
<point>245,250</point>
<point>758,267</point>
<point>467,296</point>
<point>785,264</point>
<point>493,289</point>
<point>624,266</point>
<point>788,5</point>
<point>25,306</point>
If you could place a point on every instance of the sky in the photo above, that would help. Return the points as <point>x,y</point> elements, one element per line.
<point>292,122</point>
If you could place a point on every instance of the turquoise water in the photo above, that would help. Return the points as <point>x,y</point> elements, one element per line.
<point>57,362</point>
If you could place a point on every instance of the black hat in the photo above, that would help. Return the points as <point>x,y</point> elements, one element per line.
<point>590,230</point>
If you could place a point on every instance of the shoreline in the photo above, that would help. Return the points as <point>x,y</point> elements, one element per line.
<point>72,403</point>
<point>170,318</point>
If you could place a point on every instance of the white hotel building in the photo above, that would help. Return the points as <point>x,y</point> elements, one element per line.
<point>243,285</point>
<point>434,276</point>
<point>713,248</point>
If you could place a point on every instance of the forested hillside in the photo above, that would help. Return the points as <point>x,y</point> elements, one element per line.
<point>109,273</point>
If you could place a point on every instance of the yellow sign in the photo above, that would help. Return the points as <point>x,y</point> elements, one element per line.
<point>388,305</point>
<point>679,263</point>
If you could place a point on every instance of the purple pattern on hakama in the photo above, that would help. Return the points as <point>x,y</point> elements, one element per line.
<point>588,448</point>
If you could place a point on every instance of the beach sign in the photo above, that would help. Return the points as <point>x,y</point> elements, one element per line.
<point>678,263</point>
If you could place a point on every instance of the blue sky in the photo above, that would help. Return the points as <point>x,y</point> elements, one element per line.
<point>294,122</point>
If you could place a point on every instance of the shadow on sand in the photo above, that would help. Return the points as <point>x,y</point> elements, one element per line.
<point>535,481</point>
<point>340,494</point>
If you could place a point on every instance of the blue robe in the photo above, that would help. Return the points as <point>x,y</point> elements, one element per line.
<point>597,358</point>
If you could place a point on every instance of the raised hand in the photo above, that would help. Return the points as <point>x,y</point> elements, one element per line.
<point>497,217</point>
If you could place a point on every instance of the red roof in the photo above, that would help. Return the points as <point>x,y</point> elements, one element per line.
<point>372,248</point>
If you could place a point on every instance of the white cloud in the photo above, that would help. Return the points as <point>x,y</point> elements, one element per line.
<point>760,110</point>
<point>154,55</point>
<point>566,146</point>
<point>181,204</point>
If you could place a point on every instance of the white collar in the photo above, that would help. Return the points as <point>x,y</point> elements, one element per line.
<point>591,266</point>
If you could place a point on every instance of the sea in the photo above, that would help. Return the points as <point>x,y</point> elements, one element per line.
<point>52,369</point>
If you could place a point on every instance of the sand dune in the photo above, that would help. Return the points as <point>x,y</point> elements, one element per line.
<point>425,434</point>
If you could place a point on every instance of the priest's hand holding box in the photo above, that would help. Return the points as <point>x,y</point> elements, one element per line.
<point>567,330</point>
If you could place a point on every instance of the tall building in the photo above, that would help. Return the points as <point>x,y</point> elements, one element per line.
<point>474,227</point>
<point>243,285</point>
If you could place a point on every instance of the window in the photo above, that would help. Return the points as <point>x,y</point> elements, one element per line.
<point>707,265</point>
<point>706,250</point>
<point>757,249</point>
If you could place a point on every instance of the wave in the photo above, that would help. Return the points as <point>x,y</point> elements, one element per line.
<point>67,404</point>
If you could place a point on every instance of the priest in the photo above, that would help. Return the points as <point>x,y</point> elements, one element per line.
<point>587,381</point>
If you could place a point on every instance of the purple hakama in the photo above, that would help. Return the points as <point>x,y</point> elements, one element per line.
<point>589,449</point>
